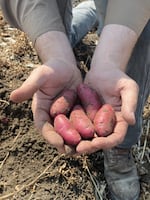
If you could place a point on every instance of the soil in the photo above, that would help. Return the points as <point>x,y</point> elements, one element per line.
<point>30,169</point>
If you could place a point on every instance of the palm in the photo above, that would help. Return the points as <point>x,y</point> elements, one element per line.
<point>117,89</point>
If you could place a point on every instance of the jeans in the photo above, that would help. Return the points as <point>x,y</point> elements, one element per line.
<point>81,19</point>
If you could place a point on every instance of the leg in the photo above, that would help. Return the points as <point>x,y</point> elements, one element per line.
<point>101,6</point>
<point>83,20</point>
<point>79,20</point>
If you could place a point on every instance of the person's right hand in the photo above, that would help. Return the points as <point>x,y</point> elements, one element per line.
<point>44,84</point>
<point>58,72</point>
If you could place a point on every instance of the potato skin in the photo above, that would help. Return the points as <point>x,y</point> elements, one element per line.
<point>63,126</point>
<point>81,122</point>
<point>64,103</point>
<point>105,120</point>
<point>89,99</point>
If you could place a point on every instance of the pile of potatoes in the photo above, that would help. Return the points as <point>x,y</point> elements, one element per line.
<point>80,115</point>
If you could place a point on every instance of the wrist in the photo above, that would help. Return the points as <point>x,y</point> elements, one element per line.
<point>114,47</point>
<point>54,45</point>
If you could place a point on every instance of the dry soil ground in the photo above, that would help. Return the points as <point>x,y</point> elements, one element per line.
<point>29,168</point>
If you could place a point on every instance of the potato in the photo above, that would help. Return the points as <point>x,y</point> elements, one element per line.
<point>81,122</point>
<point>89,99</point>
<point>64,103</point>
<point>64,127</point>
<point>105,120</point>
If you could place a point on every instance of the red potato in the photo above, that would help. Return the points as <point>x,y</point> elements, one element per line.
<point>105,120</point>
<point>89,99</point>
<point>64,103</point>
<point>81,122</point>
<point>64,127</point>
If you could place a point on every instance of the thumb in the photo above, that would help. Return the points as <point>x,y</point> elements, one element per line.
<point>129,96</point>
<point>30,86</point>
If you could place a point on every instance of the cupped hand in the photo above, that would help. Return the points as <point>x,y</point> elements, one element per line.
<point>119,90</point>
<point>44,84</point>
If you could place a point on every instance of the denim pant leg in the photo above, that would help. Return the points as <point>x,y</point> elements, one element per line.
<point>101,6</point>
<point>139,69</point>
<point>80,20</point>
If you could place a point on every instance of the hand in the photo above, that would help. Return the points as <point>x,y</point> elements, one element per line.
<point>119,90</point>
<point>44,84</point>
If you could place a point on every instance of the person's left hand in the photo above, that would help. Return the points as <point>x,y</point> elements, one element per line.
<point>101,143</point>
<point>119,90</point>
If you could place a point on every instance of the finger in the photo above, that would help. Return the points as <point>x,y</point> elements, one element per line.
<point>30,86</point>
<point>44,125</point>
<point>115,138</point>
<point>85,147</point>
<point>53,138</point>
<point>110,141</point>
<point>129,96</point>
